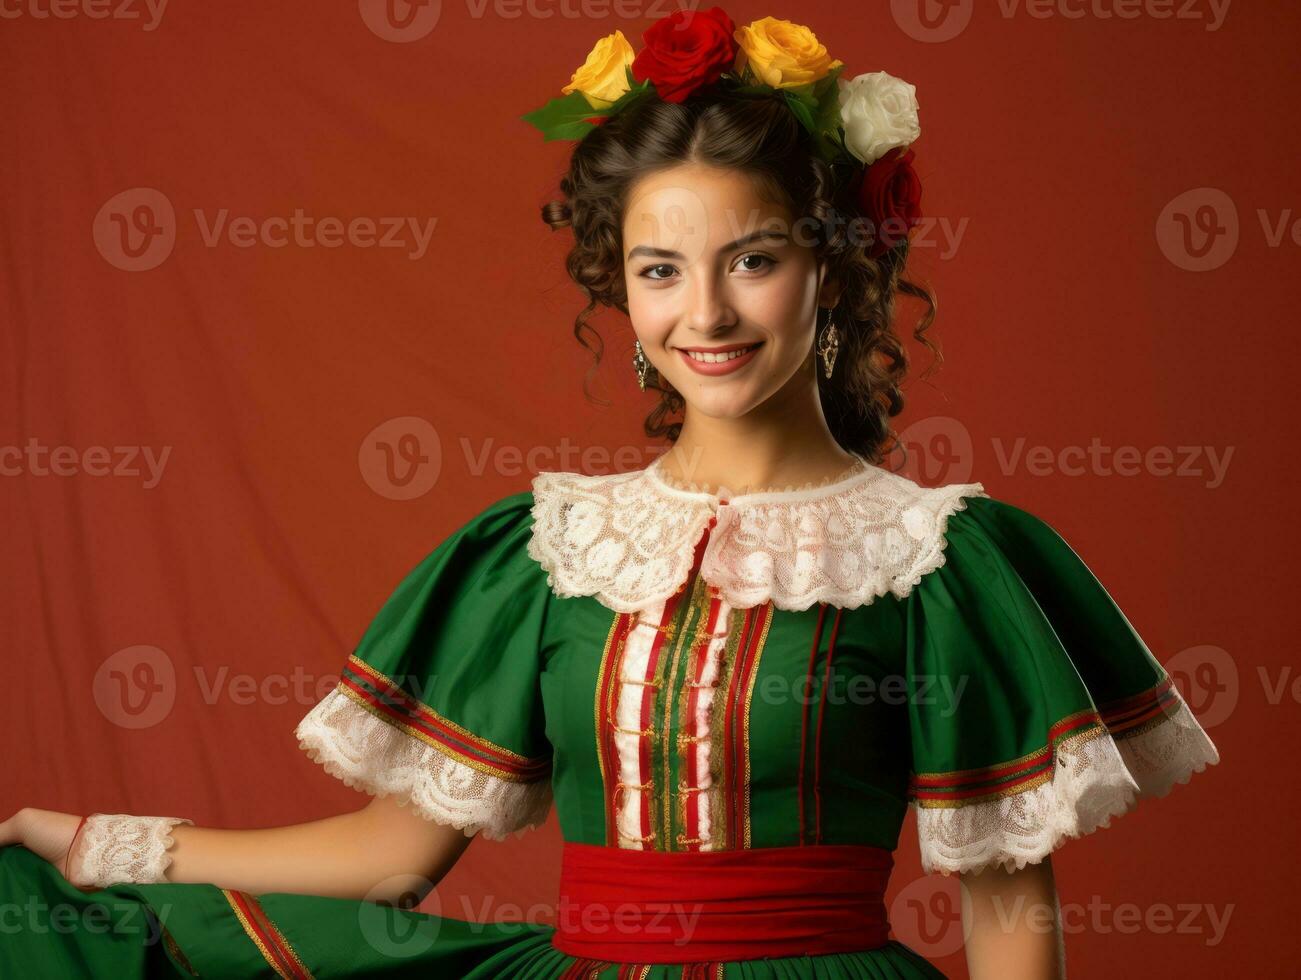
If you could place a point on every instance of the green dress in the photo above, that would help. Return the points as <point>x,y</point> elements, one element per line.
<point>681,670</point>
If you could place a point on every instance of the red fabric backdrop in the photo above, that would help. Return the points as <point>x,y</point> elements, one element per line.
<point>225,442</point>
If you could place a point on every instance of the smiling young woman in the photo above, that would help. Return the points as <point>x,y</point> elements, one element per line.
<point>733,671</point>
<point>716,227</point>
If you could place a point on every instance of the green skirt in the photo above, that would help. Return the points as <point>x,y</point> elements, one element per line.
<point>48,928</point>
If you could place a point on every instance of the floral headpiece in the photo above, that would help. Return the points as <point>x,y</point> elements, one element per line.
<point>867,123</point>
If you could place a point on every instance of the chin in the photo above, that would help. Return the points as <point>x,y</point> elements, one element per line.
<point>721,404</point>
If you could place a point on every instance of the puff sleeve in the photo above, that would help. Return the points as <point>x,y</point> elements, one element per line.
<point>1036,712</point>
<point>440,702</point>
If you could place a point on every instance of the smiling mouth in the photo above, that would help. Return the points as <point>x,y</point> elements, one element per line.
<point>719,355</point>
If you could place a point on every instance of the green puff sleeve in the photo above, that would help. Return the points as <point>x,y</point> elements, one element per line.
<point>440,703</point>
<point>1036,712</point>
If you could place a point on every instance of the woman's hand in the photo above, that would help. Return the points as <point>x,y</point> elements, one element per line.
<point>48,833</point>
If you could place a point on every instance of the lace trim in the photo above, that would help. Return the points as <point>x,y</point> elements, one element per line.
<point>371,755</point>
<point>1168,752</point>
<point>629,538</point>
<point>116,848</point>
<point>1093,780</point>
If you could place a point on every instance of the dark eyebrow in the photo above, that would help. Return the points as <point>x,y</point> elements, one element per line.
<point>668,253</point>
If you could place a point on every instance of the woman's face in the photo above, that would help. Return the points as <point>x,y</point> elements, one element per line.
<point>722,287</point>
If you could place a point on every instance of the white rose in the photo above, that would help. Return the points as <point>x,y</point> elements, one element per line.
<point>879,112</point>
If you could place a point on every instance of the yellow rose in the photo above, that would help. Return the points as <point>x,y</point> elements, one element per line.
<point>782,54</point>
<point>602,78</point>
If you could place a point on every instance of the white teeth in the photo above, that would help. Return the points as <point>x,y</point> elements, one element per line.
<point>696,355</point>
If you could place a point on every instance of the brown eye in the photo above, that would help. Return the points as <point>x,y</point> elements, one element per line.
<point>762,259</point>
<point>646,273</point>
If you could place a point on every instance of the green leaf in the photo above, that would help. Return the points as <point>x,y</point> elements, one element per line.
<point>563,118</point>
<point>829,79</point>
<point>821,99</point>
<point>802,94</point>
<point>828,148</point>
<point>566,118</point>
<point>802,111</point>
<point>826,117</point>
<point>825,96</point>
<point>638,90</point>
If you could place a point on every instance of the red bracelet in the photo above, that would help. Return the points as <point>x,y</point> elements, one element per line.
<point>67,861</point>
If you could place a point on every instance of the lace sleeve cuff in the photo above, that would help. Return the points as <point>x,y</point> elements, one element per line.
<point>447,783</point>
<point>1097,775</point>
<point>116,848</point>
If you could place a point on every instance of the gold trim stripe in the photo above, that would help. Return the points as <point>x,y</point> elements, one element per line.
<point>497,760</point>
<point>1055,732</point>
<point>395,691</point>
<point>752,665</point>
<point>971,797</point>
<point>619,627</point>
<point>281,955</point>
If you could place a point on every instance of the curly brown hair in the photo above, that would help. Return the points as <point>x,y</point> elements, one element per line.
<point>758,135</point>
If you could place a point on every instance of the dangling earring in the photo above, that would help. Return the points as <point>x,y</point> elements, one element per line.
<point>642,365</point>
<point>829,345</point>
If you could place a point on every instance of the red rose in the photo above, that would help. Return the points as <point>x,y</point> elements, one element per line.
<point>686,50</point>
<point>890,198</point>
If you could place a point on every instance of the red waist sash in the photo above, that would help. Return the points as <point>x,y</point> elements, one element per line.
<point>634,906</point>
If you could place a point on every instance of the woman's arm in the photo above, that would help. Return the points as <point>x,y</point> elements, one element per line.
<point>1012,922</point>
<point>383,852</point>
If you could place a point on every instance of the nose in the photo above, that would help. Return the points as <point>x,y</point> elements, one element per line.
<point>709,309</point>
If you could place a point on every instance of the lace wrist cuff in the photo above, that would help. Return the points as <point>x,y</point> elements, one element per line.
<point>118,847</point>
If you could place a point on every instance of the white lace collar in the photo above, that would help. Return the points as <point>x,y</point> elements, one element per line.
<point>629,538</point>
